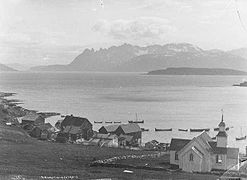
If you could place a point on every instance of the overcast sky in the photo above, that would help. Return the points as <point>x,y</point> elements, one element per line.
<point>55,31</point>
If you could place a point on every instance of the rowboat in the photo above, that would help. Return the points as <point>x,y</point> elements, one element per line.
<point>143,129</point>
<point>185,130</point>
<point>240,138</point>
<point>199,130</point>
<point>156,129</point>
<point>108,122</point>
<point>137,121</point>
<point>117,122</point>
<point>98,122</point>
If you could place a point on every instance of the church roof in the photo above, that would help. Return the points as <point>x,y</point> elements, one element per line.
<point>178,144</point>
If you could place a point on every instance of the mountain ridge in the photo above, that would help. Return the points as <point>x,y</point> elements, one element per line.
<point>130,58</point>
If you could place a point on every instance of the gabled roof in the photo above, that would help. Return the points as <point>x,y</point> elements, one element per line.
<point>178,144</point>
<point>31,117</point>
<point>45,126</point>
<point>74,121</point>
<point>130,128</point>
<point>110,128</point>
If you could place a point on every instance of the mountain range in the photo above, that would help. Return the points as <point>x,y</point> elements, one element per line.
<point>130,58</point>
<point>4,68</point>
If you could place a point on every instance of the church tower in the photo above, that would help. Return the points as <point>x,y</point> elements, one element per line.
<point>221,137</point>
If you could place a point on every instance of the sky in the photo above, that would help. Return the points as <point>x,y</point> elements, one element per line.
<point>42,32</point>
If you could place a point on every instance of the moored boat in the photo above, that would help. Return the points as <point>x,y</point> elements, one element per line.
<point>143,129</point>
<point>243,84</point>
<point>156,129</point>
<point>217,129</point>
<point>199,130</point>
<point>115,122</point>
<point>98,122</point>
<point>240,138</point>
<point>185,130</point>
<point>137,121</point>
<point>108,122</point>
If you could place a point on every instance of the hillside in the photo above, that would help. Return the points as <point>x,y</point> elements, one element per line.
<point>5,68</point>
<point>128,58</point>
<point>242,52</point>
<point>196,71</point>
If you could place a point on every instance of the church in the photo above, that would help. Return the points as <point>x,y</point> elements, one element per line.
<point>202,154</point>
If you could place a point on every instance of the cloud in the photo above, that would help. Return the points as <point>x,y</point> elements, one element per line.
<point>144,29</point>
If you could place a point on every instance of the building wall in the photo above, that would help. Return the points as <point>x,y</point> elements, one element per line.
<point>221,141</point>
<point>205,162</point>
<point>172,158</point>
<point>221,166</point>
<point>191,166</point>
<point>231,163</point>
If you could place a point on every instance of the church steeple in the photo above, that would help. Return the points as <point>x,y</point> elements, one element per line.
<point>222,136</point>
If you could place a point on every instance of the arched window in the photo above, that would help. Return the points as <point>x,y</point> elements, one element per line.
<point>191,157</point>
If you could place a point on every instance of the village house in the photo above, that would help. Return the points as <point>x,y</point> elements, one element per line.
<point>74,128</point>
<point>34,119</point>
<point>43,131</point>
<point>129,134</point>
<point>202,154</point>
<point>131,129</point>
<point>106,140</point>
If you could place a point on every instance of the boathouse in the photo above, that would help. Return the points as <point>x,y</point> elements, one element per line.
<point>202,154</point>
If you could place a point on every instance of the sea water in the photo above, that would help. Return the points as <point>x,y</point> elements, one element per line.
<point>161,101</point>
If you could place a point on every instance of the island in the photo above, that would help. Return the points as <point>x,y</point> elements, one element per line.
<point>197,71</point>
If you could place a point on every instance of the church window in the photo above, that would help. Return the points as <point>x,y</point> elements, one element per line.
<point>191,157</point>
<point>176,156</point>
<point>218,158</point>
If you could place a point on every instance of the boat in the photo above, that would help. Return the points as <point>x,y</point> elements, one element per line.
<point>98,122</point>
<point>199,130</point>
<point>108,122</point>
<point>156,129</point>
<point>115,122</point>
<point>136,121</point>
<point>143,129</point>
<point>185,130</point>
<point>241,137</point>
<point>243,84</point>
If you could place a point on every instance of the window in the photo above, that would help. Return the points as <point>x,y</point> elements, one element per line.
<point>191,157</point>
<point>176,156</point>
<point>218,158</point>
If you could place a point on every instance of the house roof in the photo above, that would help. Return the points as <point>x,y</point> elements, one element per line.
<point>222,134</point>
<point>31,117</point>
<point>110,128</point>
<point>130,128</point>
<point>74,121</point>
<point>178,144</point>
<point>72,130</point>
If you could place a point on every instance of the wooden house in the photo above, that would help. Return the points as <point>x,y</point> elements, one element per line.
<point>76,128</point>
<point>42,131</point>
<point>202,154</point>
<point>106,140</point>
<point>33,118</point>
<point>131,129</point>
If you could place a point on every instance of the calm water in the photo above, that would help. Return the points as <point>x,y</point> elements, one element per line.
<point>162,101</point>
